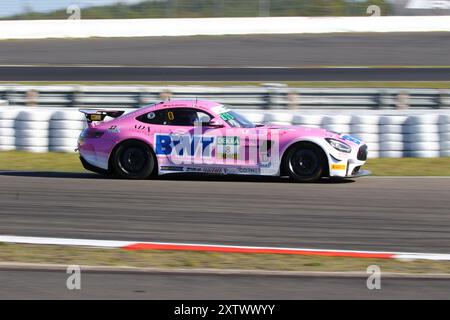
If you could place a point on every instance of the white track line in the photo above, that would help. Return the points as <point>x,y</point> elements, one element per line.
<point>129,245</point>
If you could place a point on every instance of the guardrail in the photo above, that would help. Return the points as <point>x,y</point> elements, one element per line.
<point>40,29</point>
<point>388,135</point>
<point>268,96</point>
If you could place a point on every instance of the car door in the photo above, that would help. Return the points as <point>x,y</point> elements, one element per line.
<point>192,143</point>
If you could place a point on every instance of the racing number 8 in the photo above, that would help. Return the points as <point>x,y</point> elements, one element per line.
<point>170,115</point>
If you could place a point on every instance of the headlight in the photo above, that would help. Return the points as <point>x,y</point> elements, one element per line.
<point>338,145</point>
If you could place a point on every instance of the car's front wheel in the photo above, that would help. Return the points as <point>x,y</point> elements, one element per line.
<point>134,160</point>
<point>305,163</point>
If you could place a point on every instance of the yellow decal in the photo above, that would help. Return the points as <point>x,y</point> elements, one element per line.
<point>96,117</point>
<point>338,167</point>
<point>170,115</point>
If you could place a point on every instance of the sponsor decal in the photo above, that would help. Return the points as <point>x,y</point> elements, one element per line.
<point>215,170</point>
<point>228,147</point>
<point>351,139</point>
<point>140,127</point>
<point>226,116</point>
<point>114,129</point>
<point>169,168</point>
<point>227,152</point>
<point>151,115</point>
<point>266,165</point>
<point>265,160</point>
<point>231,141</point>
<point>248,170</point>
<point>338,166</point>
<point>183,145</point>
<point>190,169</point>
<point>95,117</point>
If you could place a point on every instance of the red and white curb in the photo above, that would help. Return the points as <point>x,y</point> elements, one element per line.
<point>129,245</point>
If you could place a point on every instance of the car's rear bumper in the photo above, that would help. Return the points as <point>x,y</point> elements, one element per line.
<point>92,168</point>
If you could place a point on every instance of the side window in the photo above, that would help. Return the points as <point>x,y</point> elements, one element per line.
<point>154,117</point>
<point>203,117</point>
<point>175,117</point>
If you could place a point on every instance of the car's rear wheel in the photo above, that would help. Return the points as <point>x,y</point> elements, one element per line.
<point>304,163</point>
<point>134,160</point>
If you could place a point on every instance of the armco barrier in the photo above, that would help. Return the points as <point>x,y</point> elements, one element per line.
<point>388,135</point>
<point>267,97</point>
<point>40,29</point>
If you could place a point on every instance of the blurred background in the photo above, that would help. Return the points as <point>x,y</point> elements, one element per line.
<point>385,80</point>
<point>131,9</point>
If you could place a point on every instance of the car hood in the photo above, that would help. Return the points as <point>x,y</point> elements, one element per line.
<point>302,130</point>
<point>293,131</point>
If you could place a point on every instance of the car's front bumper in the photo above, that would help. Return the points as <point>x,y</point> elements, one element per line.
<point>348,165</point>
<point>360,173</point>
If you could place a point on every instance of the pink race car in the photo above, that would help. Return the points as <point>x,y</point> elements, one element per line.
<point>208,137</point>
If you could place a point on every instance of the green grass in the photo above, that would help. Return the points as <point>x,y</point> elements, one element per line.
<point>206,260</point>
<point>409,167</point>
<point>26,161</point>
<point>69,162</point>
<point>293,84</point>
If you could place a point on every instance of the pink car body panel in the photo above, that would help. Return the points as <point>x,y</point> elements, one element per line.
<point>206,152</point>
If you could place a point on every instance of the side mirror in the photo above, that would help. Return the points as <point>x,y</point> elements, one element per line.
<point>215,123</point>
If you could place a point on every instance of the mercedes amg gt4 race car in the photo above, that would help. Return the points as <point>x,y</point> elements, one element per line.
<point>208,137</point>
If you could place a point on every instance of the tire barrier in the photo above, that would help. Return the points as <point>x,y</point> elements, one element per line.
<point>386,135</point>
<point>313,121</point>
<point>421,136</point>
<point>392,136</point>
<point>32,130</point>
<point>255,117</point>
<point>444,135</point>
<point>7,129</point>
<point>281,119</point>
<point>391,154</point>
<point>367,129</point>
<point>65,127</point>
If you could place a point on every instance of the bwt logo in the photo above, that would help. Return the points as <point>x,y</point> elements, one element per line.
<point>184,145</point>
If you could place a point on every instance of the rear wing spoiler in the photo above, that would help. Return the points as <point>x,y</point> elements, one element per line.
<point>100,115</point>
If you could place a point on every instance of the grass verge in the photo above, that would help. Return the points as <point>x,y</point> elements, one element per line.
<point>294,84</point>
<point>208,260</point>
<point>69,162</point>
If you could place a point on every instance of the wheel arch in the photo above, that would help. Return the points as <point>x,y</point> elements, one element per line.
<point>132,140</point>
<point>306,143</point>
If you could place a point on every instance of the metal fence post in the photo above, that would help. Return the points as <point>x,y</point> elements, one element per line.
<point>219,8</point>
<point>264,8</point>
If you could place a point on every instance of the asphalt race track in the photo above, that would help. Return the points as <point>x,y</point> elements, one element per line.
<point>52,285</point>
<point>228,58</point>
<point>384,214</point>
<point>382,49</point>
<point>114,73</point>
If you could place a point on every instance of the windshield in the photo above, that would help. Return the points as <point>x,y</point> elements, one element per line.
<point>236,120</point>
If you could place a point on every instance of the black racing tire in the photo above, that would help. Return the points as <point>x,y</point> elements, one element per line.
<point>134,160</point>
<point>304,163</point>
